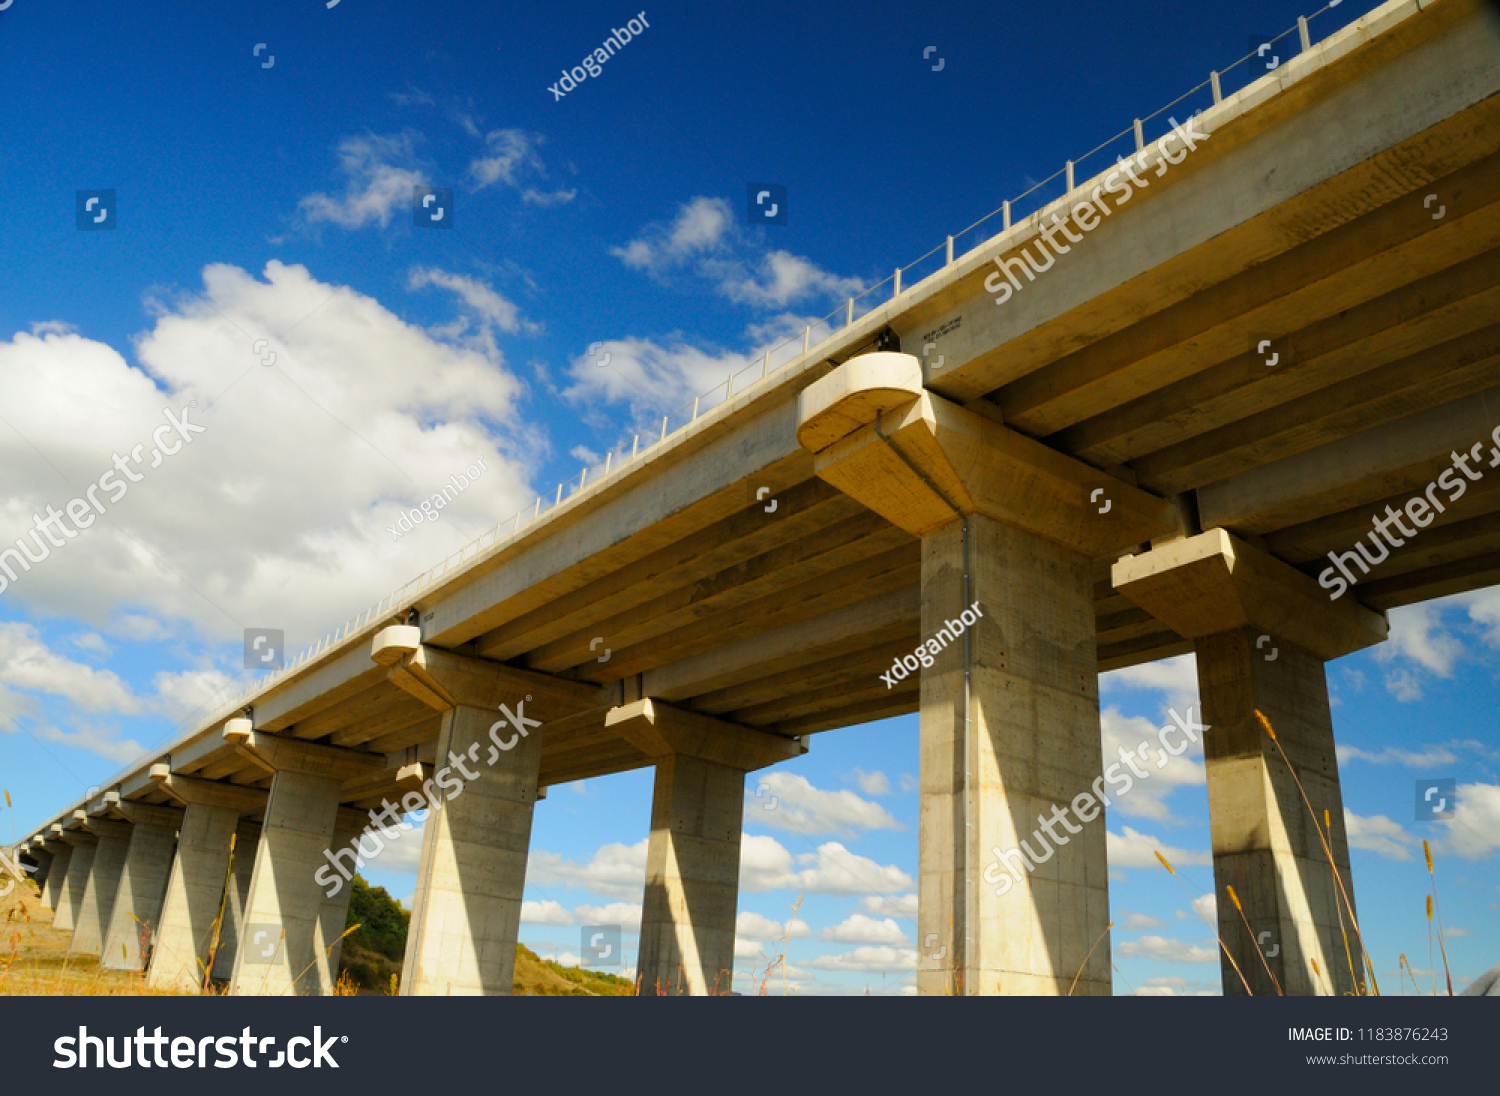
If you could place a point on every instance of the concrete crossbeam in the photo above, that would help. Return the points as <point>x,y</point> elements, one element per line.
<point>659,731</point>
<point>918,462</point>
<point>1213,582</point>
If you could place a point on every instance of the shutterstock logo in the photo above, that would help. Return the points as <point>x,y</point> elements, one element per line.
<point>12,870</point>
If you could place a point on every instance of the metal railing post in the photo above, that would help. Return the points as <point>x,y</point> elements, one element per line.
<point>849,315</point>
<point>635,447</point>
<point>950,252</point>
<point>1071,187</point>
<point>1302,31</point>
<point>806,338</point>
<point>1005,215</point>
<point>608,460</point>
<point>1213,78</point>
<point>664,419</point>
<point>897,291</point>
<point>1140,137</point>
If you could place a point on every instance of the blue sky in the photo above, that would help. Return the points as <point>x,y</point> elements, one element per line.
<point>275,203</point>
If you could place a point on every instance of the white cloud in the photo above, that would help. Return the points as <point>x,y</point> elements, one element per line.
<point>383,411</point>
<point>778,279</point>
<point>700,226</point>
<point>379,176</point>
<point>871,959</point>
<point>615,871</point>
<point>585,454</point>
<point>1207,906</point>
<point>1378,834</point>
<point>545,912</point>
<point>766,865</point>
<point>788,801</point>
<point>1137,922</point>
<point>26,662</point>
<point>547,199</point>
<point>754,926</point>
<point>875,783</point>
<point>1427,758</point>
<point>1147,798</point>
<point>91,739</point>
<point>488,306</point>
<point>1176,677</point>
<point>625,914</point>
<point>1132,849</point>
<point>506,152</point>
<point>92,641</point>
<point>1474,830</point>
<point>859,929</point>
<point>1166,950</point>
<point>895,905</point>
<point>1417,634</point>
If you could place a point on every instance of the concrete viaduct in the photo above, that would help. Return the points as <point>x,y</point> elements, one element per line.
<point>1108,462</point>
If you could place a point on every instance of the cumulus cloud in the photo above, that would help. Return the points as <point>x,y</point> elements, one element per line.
<point>871,959</point>
<point>384,411</point>
<point>615,871</point>
<point>754,926</point>
<point>26,662</point>
<point>1426,758</point>
<point>766,865</point>
<point>1132,849</point>
<point>488,306</point>
<point>699,226</point>
<point>1474,830</point>
<point>1418,636</point>
<point>625,914</point>
<point>893,905</point>
<point>703,236</point>
<point>1176,677</point>
<point>545,912</point>
<point>1167,950</point>
<point>507,152</point>
<point>1378,834</point>
<point>379,174</point>
<point>788,801</point>
<point>1147,798</point>
<point>1137,922</point>
<point>876,783</point>
<point>860,929</point>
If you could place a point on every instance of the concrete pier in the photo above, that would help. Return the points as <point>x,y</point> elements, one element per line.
<point>246,841</point>
<point>1262,631</point>
<point>693,859</point>
<point>190,912</point>
<point>284,943</point>
<point>143,884</point>
<point>57,871</point>
<point>80,865</point>
<point>466,915</point>
<point>1007,903</point>
<point>94,912</point>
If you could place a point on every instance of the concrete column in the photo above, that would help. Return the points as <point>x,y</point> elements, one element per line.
<point>692,879</point>
<point>57,872</point>
<point>1013,894</point>
<point>333,913</point>
<point>693,860</point>
<point>1266,842</point>
<point>190,920</point>
<point>285,943</point>
<point>1015,908</point>
<point>242,869</point>
<point>143,885</point>
<point>1262,631</point>
<point>466,915</point>
<point>80,865</point>
<point>43,859</point>
<point>284,899</point>
<point>94,912</point>
<point>185,935</point>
